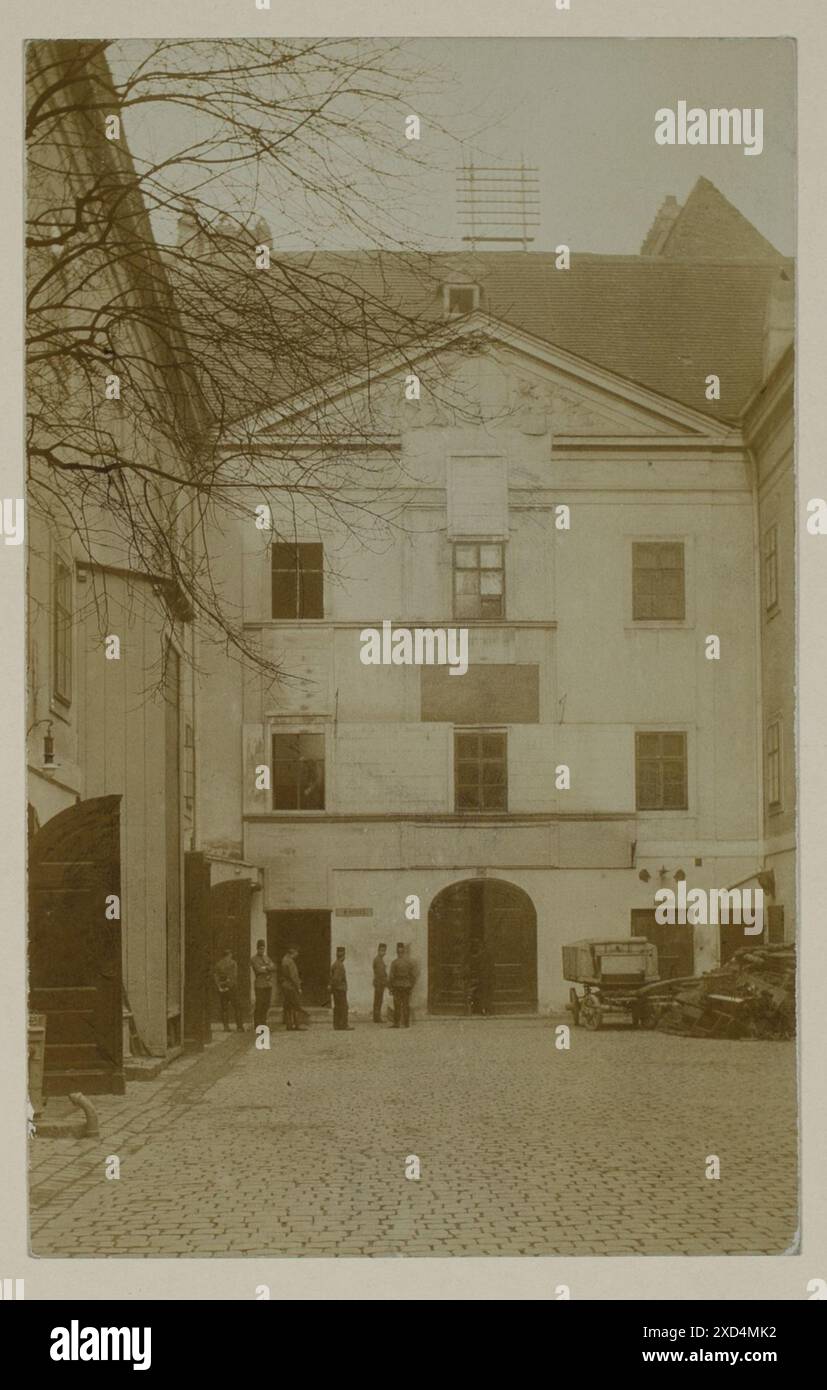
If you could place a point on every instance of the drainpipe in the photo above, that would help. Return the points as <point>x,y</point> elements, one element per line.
<point>752,464</point>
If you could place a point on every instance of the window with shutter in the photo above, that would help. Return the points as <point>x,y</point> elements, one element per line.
<point>477,498</point>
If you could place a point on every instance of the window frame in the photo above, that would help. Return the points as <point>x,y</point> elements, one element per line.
<point>188,761</point>
<point>479,570</point>
<point>769,569</point>
<point>62,693</point>
<point>481,731</point>
<point>453,287</point>
<point>661,542</point>
<point>774,757</point>
<point>297,572</point>
<point>298,735</point>
<point>661,808</point>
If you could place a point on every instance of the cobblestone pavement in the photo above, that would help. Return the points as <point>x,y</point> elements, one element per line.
<point>524,1149</point>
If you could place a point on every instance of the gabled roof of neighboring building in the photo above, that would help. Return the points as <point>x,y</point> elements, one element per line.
<point>708,227</point>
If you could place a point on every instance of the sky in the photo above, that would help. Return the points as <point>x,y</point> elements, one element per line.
<point>581,110</point>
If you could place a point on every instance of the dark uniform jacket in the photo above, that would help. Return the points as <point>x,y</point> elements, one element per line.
<point>402,973</point>
<point>380,972</point>
<point>290,972</point>
<point>338,977</point>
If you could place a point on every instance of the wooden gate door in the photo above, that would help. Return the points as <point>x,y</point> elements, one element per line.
<point>511,938</point>
<point>75,950</point>
<point>490,916</point>
<point>230,924</point>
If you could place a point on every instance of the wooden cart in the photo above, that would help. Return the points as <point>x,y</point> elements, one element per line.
<point>612,973</point>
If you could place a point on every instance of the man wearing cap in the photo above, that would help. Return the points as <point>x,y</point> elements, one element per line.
<point>263,971</point>
<point>401,978</point>
<point>338,991</point>
<point>380,981</point>
<point>291,986</point>
<point>226,981</point>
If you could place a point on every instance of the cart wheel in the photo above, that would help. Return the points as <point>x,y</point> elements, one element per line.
<point>648,1016</point>
<point>590,1015</point>
<point>574,1004</point>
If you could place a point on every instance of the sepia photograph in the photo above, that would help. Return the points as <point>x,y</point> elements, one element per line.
<point>411,647</point>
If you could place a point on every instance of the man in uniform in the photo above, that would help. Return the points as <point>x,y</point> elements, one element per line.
<point>401,979</point>
<point>226,981</point>
<point>291,987</point>
<point>263,971</point>
<point>380,981</point>
<point>338,990</point>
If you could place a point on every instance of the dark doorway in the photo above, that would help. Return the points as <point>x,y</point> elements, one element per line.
<point>676,955</point>
<point>230,923</point>
<point>75,949</point>
<point>482,918</point>
<point>310,932</point>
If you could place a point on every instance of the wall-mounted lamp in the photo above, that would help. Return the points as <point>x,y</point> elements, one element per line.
<point>680,876</point>
<point>644,875</point>
<point>49,764</point>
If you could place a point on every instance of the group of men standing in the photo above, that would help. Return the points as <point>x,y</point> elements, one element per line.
<point>399,980</point>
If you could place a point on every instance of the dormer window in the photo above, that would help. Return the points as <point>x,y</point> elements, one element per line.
<point>460,299</point>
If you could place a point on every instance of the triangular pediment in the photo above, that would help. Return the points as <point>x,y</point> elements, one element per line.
<point>491,374</point>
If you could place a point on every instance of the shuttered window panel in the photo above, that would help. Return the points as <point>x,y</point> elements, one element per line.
<point>477,497</point>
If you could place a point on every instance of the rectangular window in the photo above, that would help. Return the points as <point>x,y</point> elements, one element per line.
<point>771,569</point>
<point>479,581</point>
<point>480,770</point>
<point>660,772</point>
<point>189,770</point>
<point>774,764</point>
<point>62,632</point>
<point>298,580</point>
<point>298,772</point>
<point>460,299</point>
<point>658,580</point>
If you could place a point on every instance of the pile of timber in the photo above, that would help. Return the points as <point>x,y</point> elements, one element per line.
<point>752,996</point>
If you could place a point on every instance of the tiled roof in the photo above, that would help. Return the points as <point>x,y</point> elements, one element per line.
<point>662,323</point>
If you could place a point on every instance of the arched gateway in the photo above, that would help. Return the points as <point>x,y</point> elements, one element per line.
<point>482,940</point>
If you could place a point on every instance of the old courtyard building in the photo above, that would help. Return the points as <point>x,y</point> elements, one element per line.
<point>562,479</point>
<point>111,709</point>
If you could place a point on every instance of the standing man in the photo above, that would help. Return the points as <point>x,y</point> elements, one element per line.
<point>380,981</point>
<point>226,981</point>
<point>263,971</point>
<point>338,989</point>
<point>291,988</point>
<point>400,982</point>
